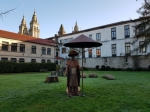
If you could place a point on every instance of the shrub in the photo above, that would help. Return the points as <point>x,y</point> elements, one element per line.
<point>113,69</point>
<point>84,68</point>
<point>107,67</point>
<point>103,67</point>
<point>118,69</point>
<point>97,67</point>
<point>129,69</point>
<point>12,67</point>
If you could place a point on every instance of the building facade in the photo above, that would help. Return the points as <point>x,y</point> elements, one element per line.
<point>23,48</point>
<point>118,49</point>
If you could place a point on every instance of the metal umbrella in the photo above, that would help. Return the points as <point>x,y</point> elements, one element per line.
<point>82,41</point>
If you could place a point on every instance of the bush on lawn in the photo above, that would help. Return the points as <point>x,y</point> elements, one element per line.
<point>12,67</point>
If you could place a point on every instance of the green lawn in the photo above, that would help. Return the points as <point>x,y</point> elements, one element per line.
<point>27,92</point>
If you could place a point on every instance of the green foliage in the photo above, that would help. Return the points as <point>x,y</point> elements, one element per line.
<point>112,69</point>
<point>107,68</point>
<point>12,67</point>
<point>97,67</point>
<point>85,69</point>
<point>103,67</point>
<point>57,67</point>
<point>129,69</point>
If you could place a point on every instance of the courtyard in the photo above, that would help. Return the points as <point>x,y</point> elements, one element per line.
<point>27,92</point>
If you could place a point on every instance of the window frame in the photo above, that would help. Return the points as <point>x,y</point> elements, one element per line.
<point>5,46</point>
<point>14,60</point>
<point>90,53</point>
<point>98,52</point>
<point>113,33</point>
<point>21,60</point>
<point>43,50</point>
<point>113,50</point>
<point>90,36</point>
<point>43,61</point>
<point>33,49</point>
<point>33,60</point>
<point>48,61</point>
<point>127,31</point>
<point>142,49</point>
<point>22,48</point>
<point>64,48</point>
<point>127,48</point>
<point>14,47</point>
<point>98,36</point>
<point>4,59</point>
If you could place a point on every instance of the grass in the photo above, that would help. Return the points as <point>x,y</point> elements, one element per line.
<point>27,92</point>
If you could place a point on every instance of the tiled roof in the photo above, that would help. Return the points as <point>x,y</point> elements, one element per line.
<point>25,38</point>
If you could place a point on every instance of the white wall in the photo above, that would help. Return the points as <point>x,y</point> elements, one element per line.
<point>27,55</point>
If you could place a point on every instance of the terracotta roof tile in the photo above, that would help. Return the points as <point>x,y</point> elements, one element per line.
<point>25,38</point>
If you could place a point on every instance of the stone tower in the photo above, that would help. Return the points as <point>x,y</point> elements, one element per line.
<point>61,30</point>
<point>76,28</point>
<point>23,27</point>
<point>34,26</point>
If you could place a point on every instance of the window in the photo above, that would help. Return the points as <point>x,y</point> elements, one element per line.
<point>113,49</point>
<point>21,60</point>
<point>141,30</point>
<point>142,47</point>
<point>98,36</point>
<point>126,59</point>
<point>90,53</point>
<point>98,52</point>
<point>14,59</point>
<point>127,31</point>
<point>48,51</point>
<point>48,61</point>
<point>4,59</point>
<point>33,60</point>
<point>66,41</point>
<point>56,62</point>
<point>127,48</point>
<point>33,50</point>
<point>63,50</point>
<point>5,46</point>
<point>22,47</point>
<point>90,36</point>
<point>61,41</point>
<point>70,39</point>
<point>43,50</point>
<point>84,60</point>
<point>14,47</point>
<point>113,33</point>
<point>43,61</point>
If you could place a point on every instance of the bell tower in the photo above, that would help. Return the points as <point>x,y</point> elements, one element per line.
<point>61,30</point>
<point>76,28</point>
<point>23,27</point>
<point>34,26</point>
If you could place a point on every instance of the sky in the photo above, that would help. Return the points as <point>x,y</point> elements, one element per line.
<point>52,13</point>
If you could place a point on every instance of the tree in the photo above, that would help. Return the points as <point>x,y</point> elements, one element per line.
<point>142,34</point>
<point>142,28</point>
<point>6,12</point>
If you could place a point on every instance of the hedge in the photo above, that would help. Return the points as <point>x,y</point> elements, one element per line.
<point>12,67</point>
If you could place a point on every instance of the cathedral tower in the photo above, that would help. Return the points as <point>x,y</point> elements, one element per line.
<point>76,28</point>
<point>23,27</point>
<point>61,30</point>
<point>34,26</point>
